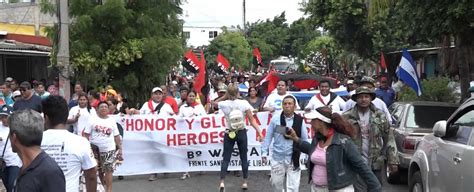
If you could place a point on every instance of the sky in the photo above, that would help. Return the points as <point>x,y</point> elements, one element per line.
<point>218,13</point>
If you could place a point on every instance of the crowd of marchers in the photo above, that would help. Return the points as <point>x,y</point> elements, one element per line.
<point>351,150</point>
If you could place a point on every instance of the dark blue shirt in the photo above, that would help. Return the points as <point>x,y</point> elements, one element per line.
<point>387,95</point>
<point>42,175</point>
<point>33,103</point>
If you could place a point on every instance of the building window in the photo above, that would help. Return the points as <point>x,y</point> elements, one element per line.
<point>186,34</point>
<point>203,31</point>
<point>212,34</point>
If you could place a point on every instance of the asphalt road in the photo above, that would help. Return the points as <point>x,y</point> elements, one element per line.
<point>208,182</point>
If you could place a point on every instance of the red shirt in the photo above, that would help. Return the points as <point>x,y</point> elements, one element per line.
<point>172,102</point>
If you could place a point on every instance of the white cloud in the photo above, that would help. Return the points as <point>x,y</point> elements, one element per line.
<point>218,13</point>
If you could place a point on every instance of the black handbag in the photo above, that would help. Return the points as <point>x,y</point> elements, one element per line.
<point>3,164</point>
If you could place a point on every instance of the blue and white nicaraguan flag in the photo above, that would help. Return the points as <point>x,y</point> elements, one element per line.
<point>406,71</point>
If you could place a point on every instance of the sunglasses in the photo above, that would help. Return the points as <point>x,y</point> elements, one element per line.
<point>22,89</point>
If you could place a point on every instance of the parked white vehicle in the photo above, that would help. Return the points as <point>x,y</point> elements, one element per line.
<point>444,160</point>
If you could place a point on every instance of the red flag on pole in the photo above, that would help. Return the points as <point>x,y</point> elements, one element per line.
<point>222,62</point>
<point>199,82</point>
<point>190,62</point>
<point>257,57</point>
<point>383,65</point>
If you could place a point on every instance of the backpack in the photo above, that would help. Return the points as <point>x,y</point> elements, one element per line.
<point>236,119</point>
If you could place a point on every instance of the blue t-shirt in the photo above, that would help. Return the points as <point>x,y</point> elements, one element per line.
<point>33,103</point>
<point>387,95</point>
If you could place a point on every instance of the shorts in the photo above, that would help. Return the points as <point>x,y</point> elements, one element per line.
<point>107,161</point>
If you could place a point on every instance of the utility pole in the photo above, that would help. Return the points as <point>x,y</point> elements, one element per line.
<point>63,50</point>
<point>244,21</point>
<point>37,17</point>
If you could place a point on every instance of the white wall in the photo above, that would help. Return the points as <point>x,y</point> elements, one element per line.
<point>199,36</point>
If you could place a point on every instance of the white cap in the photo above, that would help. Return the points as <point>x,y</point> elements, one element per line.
<point>174,82</point>
<point>9,79</point>
<point>16,93</point>
<point>350,81</point>
<point>156,89</point>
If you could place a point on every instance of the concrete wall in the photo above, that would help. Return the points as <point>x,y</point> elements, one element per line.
<point>23,13</point>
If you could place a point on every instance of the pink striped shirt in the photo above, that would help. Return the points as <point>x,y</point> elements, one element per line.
<point>319,174</point>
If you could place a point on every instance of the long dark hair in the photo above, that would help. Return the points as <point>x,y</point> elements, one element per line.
<point>88,103</point>
<point>258,92</point>
<point>337,122</point>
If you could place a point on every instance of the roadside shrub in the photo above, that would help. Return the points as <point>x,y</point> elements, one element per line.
<point>434,89</point>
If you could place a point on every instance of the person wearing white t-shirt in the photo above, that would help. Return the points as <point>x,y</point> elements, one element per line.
<point>325,98</point>
<point>71,152</point>
<point>79,115</point>
<point>156,105</point>
<point>191,108</point>
<point>102,132</point>
<point>12,160</point>
<point>274,100</point>
<point>235,110</point>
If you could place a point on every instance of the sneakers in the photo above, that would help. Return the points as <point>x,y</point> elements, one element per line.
<point>153,177</point>
<point>185,176</point>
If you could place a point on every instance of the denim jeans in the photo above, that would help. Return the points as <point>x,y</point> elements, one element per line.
<point>9,176</point>
<point>361,186</point>
<point>241,139</point>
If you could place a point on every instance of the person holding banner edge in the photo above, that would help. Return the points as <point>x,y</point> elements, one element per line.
<point>234,109</point>
<point>191,109</point>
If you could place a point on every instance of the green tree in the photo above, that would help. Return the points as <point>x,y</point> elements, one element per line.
<point>300,33</point>
<point>325,45</point>
<point>233,46</point>
<point>129,44</point>
<point>371,26</point>
<point>445,22</point>
<point>270,36</point>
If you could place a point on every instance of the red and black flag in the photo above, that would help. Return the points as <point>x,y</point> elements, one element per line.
<point>190,62</point>
<point>222,64</point>
<point>257,57</point>
<point>200,80</point>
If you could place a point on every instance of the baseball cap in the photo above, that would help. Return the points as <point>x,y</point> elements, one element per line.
<point>222,88</point>
<point>25,84</point>
<point>156,89</point>
<point>9,79</point>
<point>350,81</point>
<point>6,110</point>
<point>16,93</point>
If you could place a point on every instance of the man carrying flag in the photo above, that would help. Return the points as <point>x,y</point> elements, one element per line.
<point>407,73</point>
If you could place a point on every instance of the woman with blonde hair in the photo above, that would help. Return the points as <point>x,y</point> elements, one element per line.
<point>235,110</point>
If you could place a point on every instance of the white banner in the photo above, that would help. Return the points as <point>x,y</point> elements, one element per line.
<point>163,145</point>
